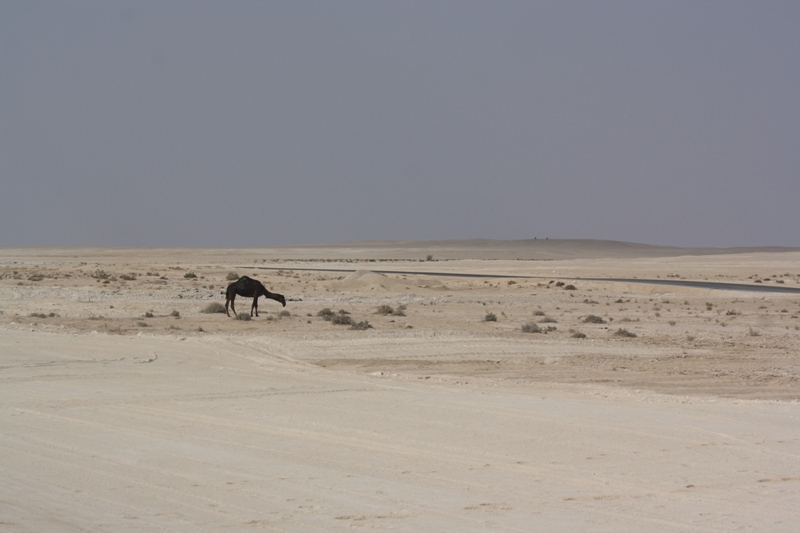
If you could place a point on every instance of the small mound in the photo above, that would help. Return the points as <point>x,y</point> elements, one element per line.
<point>366,276</point>
<point>367,280</point>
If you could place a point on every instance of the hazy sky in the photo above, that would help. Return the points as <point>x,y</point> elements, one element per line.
<point>257,123</point>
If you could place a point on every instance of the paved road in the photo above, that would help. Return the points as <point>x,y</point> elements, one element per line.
<point>716,285</point>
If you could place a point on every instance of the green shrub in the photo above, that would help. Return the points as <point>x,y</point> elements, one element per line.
<point>594,319</point>
<point>624,333</point>
<point>490,317</point>
<point>232,276</point>
<point>243,316</point>
<point>361,325</point>
<point>190,275</point>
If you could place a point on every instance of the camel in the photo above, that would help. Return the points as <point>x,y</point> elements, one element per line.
<point>248,287</point>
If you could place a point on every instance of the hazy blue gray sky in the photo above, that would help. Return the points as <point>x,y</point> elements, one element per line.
<point>256,123</point>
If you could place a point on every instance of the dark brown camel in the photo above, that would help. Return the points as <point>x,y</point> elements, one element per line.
<point>249,287</point>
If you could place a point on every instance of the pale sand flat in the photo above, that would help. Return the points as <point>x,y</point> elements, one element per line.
<point>433,420</point>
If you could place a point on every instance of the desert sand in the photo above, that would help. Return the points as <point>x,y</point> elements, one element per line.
<point>630,407</point>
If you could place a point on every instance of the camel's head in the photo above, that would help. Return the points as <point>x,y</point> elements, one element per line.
<point>281,299</point>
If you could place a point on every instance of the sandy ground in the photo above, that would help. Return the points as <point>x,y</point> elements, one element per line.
<point>125,407</point>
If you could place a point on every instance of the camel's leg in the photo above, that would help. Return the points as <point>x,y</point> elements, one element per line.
<point>232,306</point>
<point>255,306</point>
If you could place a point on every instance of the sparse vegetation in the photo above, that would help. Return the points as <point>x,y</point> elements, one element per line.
<point>41,315</point>
<point>531,327</point>
<point>713,323</point>
<point>341,319</point>
<point>326,313</point>
<point>214,307</point>
<point>594,319</point>
<point>388,310</point>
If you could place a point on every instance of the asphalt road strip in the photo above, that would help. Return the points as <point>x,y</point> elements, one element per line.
<point>714,285</point>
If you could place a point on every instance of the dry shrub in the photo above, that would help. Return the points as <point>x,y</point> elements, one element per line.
<point>214,307</point>
<point>531,327</point>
